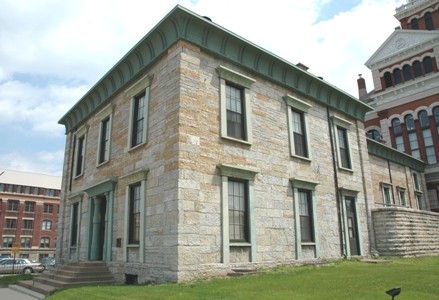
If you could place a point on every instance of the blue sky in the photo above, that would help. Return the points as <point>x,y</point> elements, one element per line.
<point>52,52</point>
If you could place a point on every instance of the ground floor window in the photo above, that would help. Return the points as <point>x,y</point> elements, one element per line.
<point>238,210</point>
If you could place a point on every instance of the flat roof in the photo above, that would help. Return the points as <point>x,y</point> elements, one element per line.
<point>30,179</point>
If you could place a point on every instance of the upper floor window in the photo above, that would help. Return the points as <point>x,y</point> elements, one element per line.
<point>386,192</point>
<point>25,242</point>
<point>235,105</point>
<point>13,205</point>
<point>388,79</point>
<point>427,62</point>
<point>416,182</point>
<point>48,208</point>
<point>342,142</point>
<point>11,223</point>
<point>29,206</point>
<point>138,119</point>
<point>401,196</point>
<point>46,225</point>
<point>374,134</point>
<point>428,21</point>
<point>8,241</point>
<point>397,76</point>
<point>413,138</point>
<point>397,133</point>
<point>45,242</point>
<point>407,71</point>
<point>28,224</point>
<point>414,23</point>
<point>427,137</point>
<point>80,143</point>
<point>297,116</point>
<point>417,68</point>
<point>104,141</point>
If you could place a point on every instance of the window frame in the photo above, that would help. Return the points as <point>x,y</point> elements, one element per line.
<point>238,216</point>
<point>134,224</point>
<point>228,77</point>
<point>8,241</point>
<point>13,205</point>
<point>29,206</point>
<point>48,208</point>
<point>46,225</point>
<point>105,117</point>
<point>79,152</point>
<point>342,125</point>
<point>28,224</point>
<point>10,223</point>
<point>295,105</point>
<point>45,242</point>
<point>402,196</point>
<point>386,194</point>
<point>27,243</point>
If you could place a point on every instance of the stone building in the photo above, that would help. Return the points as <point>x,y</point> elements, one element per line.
<point>199,152</point>
<point>29,204</point>
<point>405,97</point>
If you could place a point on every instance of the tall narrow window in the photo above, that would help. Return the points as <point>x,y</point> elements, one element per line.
<point>238,211</point>
<point>235,112</point>
<point>386,194</point>
<point>306,216</point>
<point>74,222</point>
<point>406,70</point>
<point>427,137</point>
<point>413,138</point>
<point>138,120</point>
<point>343,148</point>
<point>388,79</point>
<point>402,198</point>
<point>414,23</point>
<point>299,134</point>
<point>397,133</point>
<point>134,214</point>
<point>416,182</point>
<point>397,76</point>
<point>427,62</point>
<point>417,68</point>
<point>428,21</point>
<point>80,148</point>
<point>104,141</point>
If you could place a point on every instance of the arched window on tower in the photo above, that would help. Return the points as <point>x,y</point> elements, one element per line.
<point>374,134</point>
<point>428,64</point>
<point>417,68</point>
<point>397,76</point>
<point>388,79</point>
<point>428,21</point>
<point>397,133</point>
<point>427,138</point>
<point>413,139</point>
<point>406,70</point>
<point>414,23</point>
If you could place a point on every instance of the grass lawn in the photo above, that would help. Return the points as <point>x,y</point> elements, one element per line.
<point>418,279</point>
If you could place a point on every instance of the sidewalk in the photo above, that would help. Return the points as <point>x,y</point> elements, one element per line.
<point>14,292</point>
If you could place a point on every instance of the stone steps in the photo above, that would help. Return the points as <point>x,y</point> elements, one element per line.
<point>74,274</point>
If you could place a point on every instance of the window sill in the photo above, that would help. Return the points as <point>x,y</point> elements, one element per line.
<point>76,177</point>
<point>236,140</point>
<point>243,244</point>
<point>136,147</point>
<point>102,163</point>
<point>346,169</point>
<point>307,159</point>
<point>133,246</point>
<point>307,243</point>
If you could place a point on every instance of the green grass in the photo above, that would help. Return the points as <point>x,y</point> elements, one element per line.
<point>12,279</point>
<point>342,280</point>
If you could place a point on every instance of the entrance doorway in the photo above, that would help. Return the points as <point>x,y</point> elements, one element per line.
<point>352,227</point>
<point>98,228</point>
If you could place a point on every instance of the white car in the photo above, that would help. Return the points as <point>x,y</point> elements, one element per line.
<point>20,265</point>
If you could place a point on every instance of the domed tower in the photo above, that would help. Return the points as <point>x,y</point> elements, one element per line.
<point>405,97</point>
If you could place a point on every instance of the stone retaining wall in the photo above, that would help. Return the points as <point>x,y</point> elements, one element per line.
<point>405,232</point>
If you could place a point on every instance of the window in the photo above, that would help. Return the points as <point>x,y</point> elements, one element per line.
<point>374,134</point>
<point>414,23</point>
<point>386,190</point>
<point>406,70</point>
<point>25,242</point>
<point>417,68</point>
<point>80,153</point>
<point>19,189</point>
<point>13,205</point>
<point>50,193</point>
<point>436,117</point>
<point>298,126</point>
<point>388,79</point>
<point>11,223</point>
<point>29,206</point>
<point>413,138</point>
<point>28,224</point>
<point>138,120</point>
<point>401,196</point>
<point>238,210</point>
<point>75,224</point>
<point>416,182</point>
<point>428,21</point>
<point>397,76</point>
<point>306,216</point>
<point>299,134</point>
<point>235,105</point>
<point>8,241</point>
<point>427,137</point>
<point>104,141</point>
<point>48,208</point>
<point>428,64</point>
<point>397,133</point>
<point>134,214</point>
<point>46,225</point>
<point>45,242</point>
<point>343,147</point>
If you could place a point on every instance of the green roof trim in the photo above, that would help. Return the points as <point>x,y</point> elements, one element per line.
<point>182,24</point>
<point>391,154</point>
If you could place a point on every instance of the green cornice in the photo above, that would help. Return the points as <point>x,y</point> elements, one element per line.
<point>393,155</point>
<point>183,24</point>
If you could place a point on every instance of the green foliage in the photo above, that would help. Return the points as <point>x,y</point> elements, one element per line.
<point>349,279</point>
<point>12,279</point>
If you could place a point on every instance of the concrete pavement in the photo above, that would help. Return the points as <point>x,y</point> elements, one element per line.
<point>15,292</point>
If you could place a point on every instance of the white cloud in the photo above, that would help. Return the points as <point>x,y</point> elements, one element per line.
<point>41,162</point>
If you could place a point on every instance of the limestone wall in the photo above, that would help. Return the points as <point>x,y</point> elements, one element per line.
<point>406,232</point>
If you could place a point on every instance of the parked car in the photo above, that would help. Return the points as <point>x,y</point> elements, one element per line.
<point>48,262</point>
<point>20,265</point>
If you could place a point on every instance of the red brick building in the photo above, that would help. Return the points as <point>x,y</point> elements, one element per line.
<point>29,205</point>
<point>405,97</point>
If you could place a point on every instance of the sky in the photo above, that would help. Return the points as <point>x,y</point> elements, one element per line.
<point>53,51</point>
